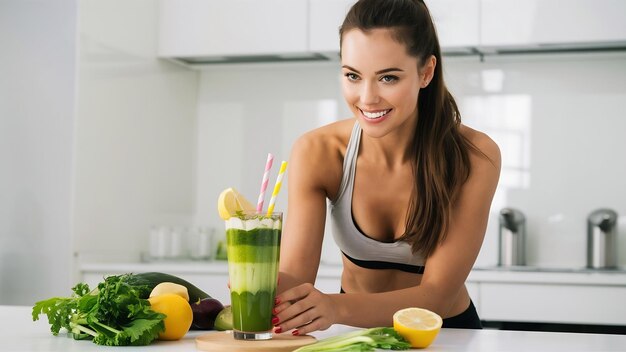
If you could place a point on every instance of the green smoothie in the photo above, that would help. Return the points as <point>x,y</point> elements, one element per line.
<point>253,243</point>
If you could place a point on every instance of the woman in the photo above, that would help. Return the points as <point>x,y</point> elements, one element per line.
<point>409,186</point>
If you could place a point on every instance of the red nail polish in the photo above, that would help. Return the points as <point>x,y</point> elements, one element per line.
<point>274,320</point>
<point>276,301</point>
<point>274,311</point>
<point>295,333</point>
<point>278,330</point>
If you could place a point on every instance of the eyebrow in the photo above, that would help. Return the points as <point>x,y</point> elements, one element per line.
<point>391,69</point>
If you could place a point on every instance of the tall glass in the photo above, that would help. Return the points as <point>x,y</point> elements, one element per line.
<point>253,248</point>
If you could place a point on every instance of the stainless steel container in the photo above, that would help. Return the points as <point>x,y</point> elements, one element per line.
<point>512,238</point>
<point>602,239</point>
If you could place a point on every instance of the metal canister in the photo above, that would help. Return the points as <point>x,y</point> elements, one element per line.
<point>602,239</point>
<point>512,238</point>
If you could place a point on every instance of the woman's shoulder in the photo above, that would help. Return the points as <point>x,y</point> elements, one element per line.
<point>485,146</point>
<point>326,141</point>
<point>318,155</point>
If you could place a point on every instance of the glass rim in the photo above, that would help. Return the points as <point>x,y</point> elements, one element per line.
<point>247,215</point>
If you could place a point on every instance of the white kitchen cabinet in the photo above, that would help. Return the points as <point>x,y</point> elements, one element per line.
<point>457,23</point>
<point>218,28</point>
<point>473,288</point>
<point>575,297</point>
<point>325,18</point>
<point>536,23</point>
<point>328,278</point>
<point>546,303</point>
<point>214,31</point>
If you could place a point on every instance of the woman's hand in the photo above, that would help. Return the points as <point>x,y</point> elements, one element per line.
<point>305,309</point>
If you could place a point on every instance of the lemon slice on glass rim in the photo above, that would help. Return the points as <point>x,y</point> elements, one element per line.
<point>417,325</point>
<point>230,202</point>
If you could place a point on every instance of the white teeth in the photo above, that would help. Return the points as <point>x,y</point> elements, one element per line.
<point>374,115</point>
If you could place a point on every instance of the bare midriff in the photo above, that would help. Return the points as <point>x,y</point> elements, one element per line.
<point>356,279</point>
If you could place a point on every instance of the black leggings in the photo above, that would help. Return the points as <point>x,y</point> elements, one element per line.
<point>467,320</point>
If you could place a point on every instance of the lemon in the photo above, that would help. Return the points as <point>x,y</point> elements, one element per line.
<point>418,326</point>
<point>230,202</point>
<point>170,287</point>
<point>178,315</point>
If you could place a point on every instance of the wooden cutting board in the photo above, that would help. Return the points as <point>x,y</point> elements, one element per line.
<point>224,341</point>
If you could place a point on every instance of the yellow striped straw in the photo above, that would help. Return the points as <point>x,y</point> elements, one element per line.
<point>279,182</point>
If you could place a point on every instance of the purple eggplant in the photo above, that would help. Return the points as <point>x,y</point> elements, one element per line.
<point>204,313</point>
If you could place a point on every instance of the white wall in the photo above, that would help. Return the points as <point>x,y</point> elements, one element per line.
<point>560,125</point>
<point>97,140</point>
<point>135,133</point>
<point>37,87</point>
<point>558,121</point>
<point>245,112</point>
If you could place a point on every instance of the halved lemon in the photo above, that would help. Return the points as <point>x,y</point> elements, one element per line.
<point>230,202</point>
<point>417,325</point>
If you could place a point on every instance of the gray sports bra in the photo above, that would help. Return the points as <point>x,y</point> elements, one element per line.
<point>354,244</point>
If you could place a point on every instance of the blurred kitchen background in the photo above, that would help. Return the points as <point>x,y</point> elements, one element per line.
<point>119,117</point>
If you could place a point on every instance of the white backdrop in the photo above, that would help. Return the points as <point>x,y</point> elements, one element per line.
<point>37,103</point>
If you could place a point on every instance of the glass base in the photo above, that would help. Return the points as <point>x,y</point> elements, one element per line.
<point>240,335</point>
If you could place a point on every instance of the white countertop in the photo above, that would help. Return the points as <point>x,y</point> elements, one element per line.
<point>183,267</point>
<point>19,333</point>
<point>487,274</point>
<point>549,276</point>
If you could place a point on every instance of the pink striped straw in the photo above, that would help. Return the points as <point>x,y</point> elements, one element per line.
<point>264,182</point>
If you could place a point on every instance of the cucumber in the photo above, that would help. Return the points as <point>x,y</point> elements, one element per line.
<point>147,282</point>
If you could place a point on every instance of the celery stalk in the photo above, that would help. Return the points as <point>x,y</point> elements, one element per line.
<point>361,340</point>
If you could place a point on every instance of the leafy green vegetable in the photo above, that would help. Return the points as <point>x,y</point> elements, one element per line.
<point>361,340</point>
<point>114,314</point>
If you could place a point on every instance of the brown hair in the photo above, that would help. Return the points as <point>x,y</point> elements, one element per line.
<point>441,152</point>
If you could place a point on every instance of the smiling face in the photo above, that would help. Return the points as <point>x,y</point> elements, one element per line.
<point>381,81</point>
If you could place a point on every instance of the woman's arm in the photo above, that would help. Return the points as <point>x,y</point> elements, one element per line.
<point>446,270</point>
<point>301,244</point>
